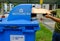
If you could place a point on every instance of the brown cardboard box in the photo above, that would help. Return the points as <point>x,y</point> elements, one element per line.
<point>40,11</point>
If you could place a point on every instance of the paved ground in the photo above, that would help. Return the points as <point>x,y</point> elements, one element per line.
<point>47,22</point>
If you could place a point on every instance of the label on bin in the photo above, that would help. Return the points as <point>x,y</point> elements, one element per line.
<point>17,38</point>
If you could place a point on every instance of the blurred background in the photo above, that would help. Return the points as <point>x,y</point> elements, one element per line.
<point>47,25</point>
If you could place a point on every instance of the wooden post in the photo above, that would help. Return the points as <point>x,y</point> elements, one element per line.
<point>41,2</point>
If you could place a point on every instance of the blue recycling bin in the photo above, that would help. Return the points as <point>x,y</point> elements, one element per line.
<point>18,25</point>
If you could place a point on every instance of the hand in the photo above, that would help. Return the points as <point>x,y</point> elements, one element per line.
<point>48,16</point>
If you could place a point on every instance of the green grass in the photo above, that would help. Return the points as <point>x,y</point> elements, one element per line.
<point>43,34</point>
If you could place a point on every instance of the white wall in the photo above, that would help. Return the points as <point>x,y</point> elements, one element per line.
<point>45,6</point>
<point>5,7</point>
<point>8,7</point>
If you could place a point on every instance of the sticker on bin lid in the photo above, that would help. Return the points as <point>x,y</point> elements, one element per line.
<point>17,38</point>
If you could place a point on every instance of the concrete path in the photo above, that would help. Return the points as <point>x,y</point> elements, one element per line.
<point>49,27</point>
<point>49,24</point>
